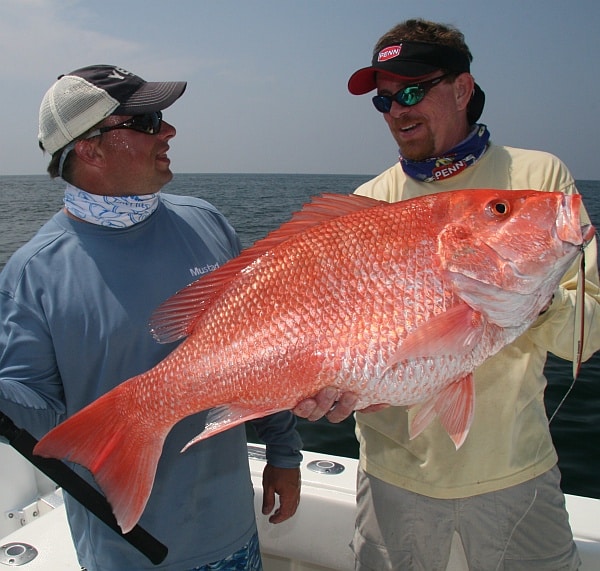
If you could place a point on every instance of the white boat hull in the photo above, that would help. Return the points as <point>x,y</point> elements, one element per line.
<point>316,539</point>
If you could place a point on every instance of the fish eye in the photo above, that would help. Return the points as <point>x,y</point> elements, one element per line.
<point>498,208</point>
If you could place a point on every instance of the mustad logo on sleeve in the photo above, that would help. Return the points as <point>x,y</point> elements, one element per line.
<point>206,269</point>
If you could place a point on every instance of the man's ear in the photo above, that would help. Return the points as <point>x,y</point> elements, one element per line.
<point>89,151</point>
<point>463,88</point>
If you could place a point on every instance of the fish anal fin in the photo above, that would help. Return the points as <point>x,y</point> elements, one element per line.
<point>121,454</point>
<point>453,406</point>
<point>225,417</point>
<point>422,419</point>
<point>455,409</point>
<point>453,332</point>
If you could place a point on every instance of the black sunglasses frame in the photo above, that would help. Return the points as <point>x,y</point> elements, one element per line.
<point>148,123</point>
<point>407,96</point>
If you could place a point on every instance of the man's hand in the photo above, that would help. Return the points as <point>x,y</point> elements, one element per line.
<point>286,483</point>
<point>329,402</point>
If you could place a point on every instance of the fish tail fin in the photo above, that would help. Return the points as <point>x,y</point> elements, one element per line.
<point>116,447</point>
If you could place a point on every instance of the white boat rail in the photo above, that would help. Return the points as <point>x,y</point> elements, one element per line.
<point>316,539</point>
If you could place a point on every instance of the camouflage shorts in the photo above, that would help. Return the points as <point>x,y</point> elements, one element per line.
<point>245,559</point>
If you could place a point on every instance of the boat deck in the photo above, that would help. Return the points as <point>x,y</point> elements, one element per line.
<point>315,539</point>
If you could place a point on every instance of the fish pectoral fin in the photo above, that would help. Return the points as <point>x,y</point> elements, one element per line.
<point>454,408</point>
<point>454,332</point>
<point>225,417</point>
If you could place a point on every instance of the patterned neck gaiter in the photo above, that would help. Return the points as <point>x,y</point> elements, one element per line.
<point>465,154</point>
<point>113,211</point>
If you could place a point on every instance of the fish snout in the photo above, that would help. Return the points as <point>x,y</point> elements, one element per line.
<point>588,232</point>
<point>568,225</point>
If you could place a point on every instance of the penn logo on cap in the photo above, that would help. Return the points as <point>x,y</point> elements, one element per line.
<point>389,53</point>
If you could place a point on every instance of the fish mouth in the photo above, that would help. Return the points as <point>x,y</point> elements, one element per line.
<point>568,228</point>
<point>588,232</point>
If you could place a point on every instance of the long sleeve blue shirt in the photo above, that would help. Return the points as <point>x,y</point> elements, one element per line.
<point>75,303</point>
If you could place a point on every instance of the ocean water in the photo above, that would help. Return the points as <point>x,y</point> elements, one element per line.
<point>256,204</point>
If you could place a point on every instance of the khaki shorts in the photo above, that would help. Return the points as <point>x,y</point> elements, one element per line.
<point>521,528</point>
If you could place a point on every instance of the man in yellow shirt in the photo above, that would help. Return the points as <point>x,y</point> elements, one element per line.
<point>501,490</point>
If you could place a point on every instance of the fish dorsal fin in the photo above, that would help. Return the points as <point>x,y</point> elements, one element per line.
<point>329,206</point>
<point>177,317</point>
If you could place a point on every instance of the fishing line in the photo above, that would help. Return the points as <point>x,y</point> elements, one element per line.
<point>514,529</point>
<point>578,339</point>
<point>578,329</point>
<point>561,402</point>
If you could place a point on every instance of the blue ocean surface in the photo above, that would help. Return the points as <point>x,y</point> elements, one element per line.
<point>258,203</point>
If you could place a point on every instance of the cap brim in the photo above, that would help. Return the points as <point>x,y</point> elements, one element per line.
<point>364,80</point>
<point>152,96</point>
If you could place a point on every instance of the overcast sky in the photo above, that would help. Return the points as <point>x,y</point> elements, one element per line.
<point>267,78</point>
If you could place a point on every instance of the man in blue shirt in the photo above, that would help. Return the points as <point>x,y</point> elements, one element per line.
<point>75,303</point>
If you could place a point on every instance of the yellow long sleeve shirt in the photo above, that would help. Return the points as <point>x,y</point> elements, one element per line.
<point>509,441</point>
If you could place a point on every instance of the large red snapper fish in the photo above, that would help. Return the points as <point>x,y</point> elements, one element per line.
<point>396,302</point>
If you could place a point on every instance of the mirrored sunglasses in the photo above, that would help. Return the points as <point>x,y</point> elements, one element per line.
<point>407,97</point>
